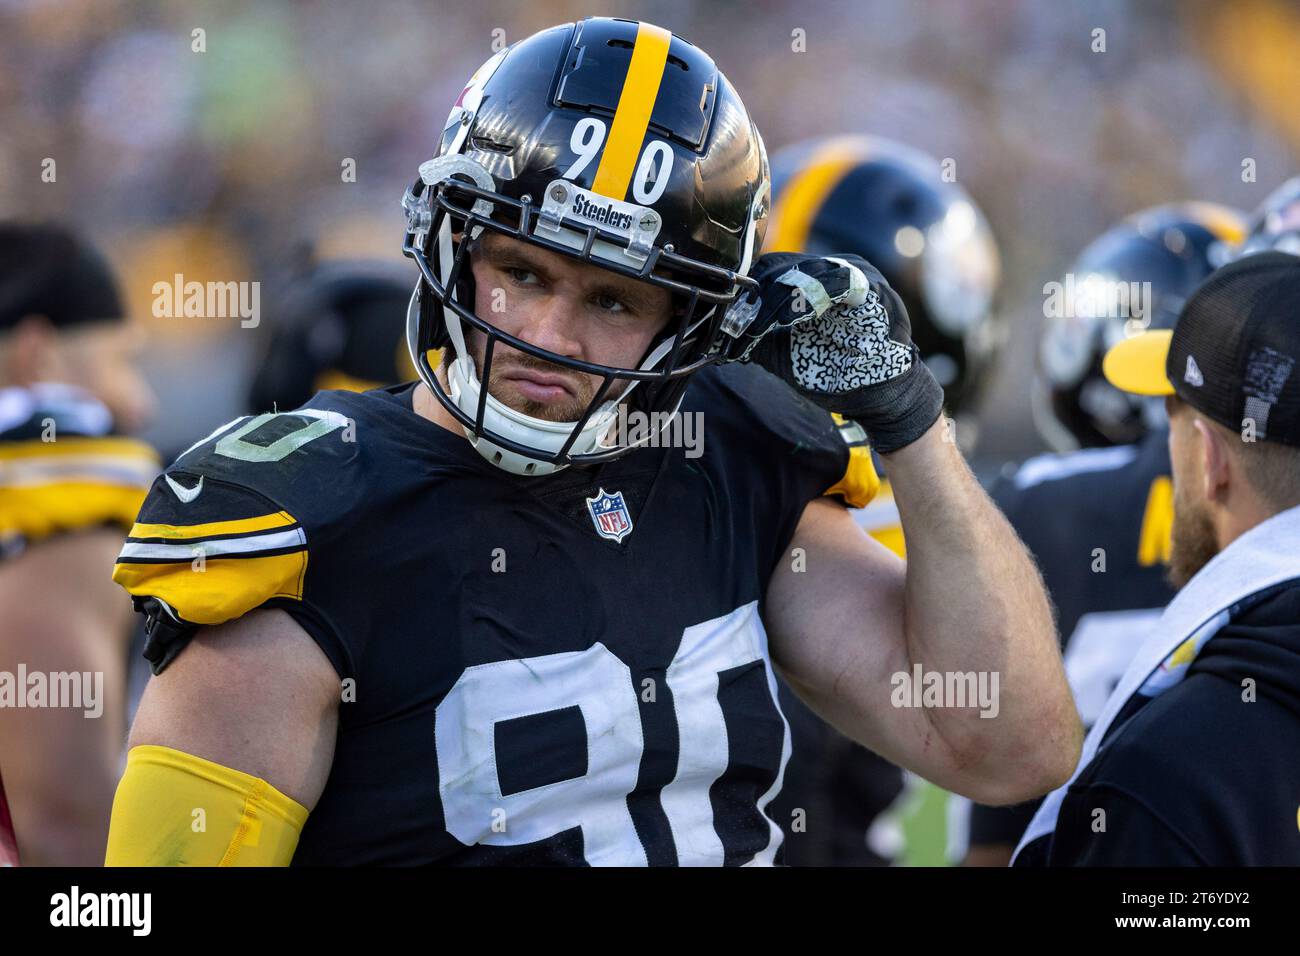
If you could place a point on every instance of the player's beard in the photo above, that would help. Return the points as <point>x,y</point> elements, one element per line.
<point>569,409</point>
<point>1194,542</point>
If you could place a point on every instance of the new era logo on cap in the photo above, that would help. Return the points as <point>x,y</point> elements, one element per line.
<point>1193,374</point>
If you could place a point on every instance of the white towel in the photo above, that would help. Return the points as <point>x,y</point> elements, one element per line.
<point>1267,554</point>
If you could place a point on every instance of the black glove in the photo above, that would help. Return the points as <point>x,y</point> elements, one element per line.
<point>834,330</point>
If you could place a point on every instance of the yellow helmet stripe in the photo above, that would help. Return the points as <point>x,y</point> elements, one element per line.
<point>801,199</point>
<point>632,117</point>
<point>1226,224</point>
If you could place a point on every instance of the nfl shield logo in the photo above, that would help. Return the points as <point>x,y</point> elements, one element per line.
<point>609,515</point>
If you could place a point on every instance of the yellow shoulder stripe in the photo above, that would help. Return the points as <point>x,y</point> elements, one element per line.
<point>111,446</point>
<point>37,512</point>
<point>636,102</point>
<point>281,519</point>
<point>215,590</point>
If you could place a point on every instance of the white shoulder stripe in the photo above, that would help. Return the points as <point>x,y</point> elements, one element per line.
<point>215,547</point>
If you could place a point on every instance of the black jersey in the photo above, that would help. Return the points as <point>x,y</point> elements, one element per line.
<point>550,670</point>
<point>1098,523</point>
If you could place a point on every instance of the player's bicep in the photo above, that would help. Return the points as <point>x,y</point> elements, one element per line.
<point>256,695</point>
<point>835,616</point>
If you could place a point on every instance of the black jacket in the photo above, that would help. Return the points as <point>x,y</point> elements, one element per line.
<point>1205,774</point>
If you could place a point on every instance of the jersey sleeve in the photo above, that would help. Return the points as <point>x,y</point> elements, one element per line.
<point>61,469</point>
<point>245,521</point>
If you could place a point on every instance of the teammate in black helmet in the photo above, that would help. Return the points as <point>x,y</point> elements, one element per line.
<point>499,615</point>
<point>895,207</point>
<point>1134,276</point>
<point>1098,518</point>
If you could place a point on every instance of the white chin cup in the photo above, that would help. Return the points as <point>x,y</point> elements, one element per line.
<point>499,418</point>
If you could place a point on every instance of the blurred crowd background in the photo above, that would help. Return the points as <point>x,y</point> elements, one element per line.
<point>227,164</point>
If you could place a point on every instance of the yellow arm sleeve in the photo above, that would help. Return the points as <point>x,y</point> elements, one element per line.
<point>175,809</point>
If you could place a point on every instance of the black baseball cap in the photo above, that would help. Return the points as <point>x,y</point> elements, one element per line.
<point>46,269</point>
<point>1233,352</point>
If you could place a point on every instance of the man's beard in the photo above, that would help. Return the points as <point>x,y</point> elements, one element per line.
<point>1194,542</point>
<point>567,409</point>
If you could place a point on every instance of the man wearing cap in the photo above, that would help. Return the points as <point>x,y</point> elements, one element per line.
<point>1194,758</point>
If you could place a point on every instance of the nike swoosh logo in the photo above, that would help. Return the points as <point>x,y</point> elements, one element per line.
<point>185,494</point>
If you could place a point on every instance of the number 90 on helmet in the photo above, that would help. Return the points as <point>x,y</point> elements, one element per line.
<point>615,143</point>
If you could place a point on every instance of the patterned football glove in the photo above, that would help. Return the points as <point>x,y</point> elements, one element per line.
<point>834,330</point>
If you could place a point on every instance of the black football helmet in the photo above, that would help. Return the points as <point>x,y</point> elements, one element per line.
<point>890,204</point>
<point>620,145</point>
<point>339,325</point>
<point>1134,276</point>
<point>1275,225</point>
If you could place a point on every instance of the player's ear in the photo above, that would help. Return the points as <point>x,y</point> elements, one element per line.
<point>31,352</point>
<point>1215,457</point>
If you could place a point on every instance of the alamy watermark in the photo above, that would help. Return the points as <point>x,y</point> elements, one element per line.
<point>76,690</point>
<point>130,910</point>
<point>1094,296</point>
<point>956,689</point>
<point>661,430</point>
<point>208,300</point>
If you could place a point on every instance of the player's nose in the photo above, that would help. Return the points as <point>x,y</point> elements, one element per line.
<point>552,324</point>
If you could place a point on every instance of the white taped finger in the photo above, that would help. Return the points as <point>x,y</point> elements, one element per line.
<point>815,297</point>
<point>857,292</point>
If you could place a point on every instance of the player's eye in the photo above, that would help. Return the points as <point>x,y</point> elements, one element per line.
<point>609,303</point>
<point>521,276</point>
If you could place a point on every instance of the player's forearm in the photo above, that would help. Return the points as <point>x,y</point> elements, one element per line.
<point>975,605</point>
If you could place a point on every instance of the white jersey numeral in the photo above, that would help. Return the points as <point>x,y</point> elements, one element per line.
<point>602,688</point>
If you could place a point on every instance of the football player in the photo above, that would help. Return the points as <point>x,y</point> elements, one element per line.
<point>69,485</point>
<point>1098,518</point>
<point>341,325</point>
<point>891,205</point>
<point>512,612</point>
